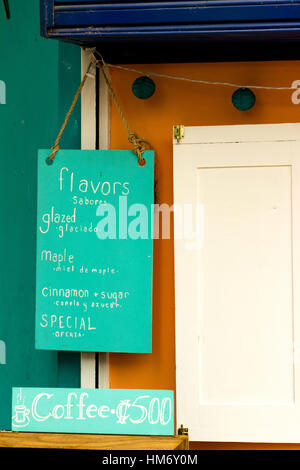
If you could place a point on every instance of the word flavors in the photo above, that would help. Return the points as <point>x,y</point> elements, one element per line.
<point>70,181</point>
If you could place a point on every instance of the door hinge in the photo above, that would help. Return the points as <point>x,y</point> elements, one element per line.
<point>182,431</point>
<point>178,133</point>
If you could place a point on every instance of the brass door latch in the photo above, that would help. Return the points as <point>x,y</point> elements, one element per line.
<point>182,431</point>
<point>178,133</point>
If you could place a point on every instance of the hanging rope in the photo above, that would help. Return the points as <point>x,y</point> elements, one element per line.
<point>56,147</point>
<point>139,145</point>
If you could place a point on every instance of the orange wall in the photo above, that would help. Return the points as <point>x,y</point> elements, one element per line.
<point>177,102</point>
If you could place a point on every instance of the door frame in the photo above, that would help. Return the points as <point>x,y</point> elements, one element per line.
<point>95,134</point>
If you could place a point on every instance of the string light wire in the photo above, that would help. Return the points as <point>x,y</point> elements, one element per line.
<point>194,80</point>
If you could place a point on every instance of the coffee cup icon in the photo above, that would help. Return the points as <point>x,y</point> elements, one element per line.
<point>21,419</point>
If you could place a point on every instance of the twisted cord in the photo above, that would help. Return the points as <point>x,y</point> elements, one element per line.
<point>139,144</point>
<point>56,147</point>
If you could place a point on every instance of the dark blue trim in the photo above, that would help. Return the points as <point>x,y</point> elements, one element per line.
<point>73,15</point>
<point>177,31</point>
<point>105,15</point>
<point>46,16</point>
<point>91,22</point>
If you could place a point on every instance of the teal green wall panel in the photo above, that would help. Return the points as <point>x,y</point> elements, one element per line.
<point>40,77</point>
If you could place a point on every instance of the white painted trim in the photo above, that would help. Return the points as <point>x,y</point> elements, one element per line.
<point>246,133</point>
<point>88,142</point>
<point>88,370</point>
<point>104,144</point>
<point>103,370</point>
<point>104,114</point>
<point>88,106</point>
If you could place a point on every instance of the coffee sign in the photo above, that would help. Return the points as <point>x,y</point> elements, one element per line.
<point>99,411</point>
<point>94,251</point>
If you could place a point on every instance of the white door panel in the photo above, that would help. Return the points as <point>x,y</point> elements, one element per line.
<point>237,298</point>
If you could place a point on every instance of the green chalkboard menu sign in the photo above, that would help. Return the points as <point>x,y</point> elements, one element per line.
<point>94,251</point>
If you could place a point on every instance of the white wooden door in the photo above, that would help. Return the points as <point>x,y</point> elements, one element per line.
<point>238,296</point>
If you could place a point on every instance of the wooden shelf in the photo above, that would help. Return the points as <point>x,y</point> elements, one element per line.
<point>91,441</point>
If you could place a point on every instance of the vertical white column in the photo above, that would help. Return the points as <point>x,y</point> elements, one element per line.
<point>104,144</point>
<point>89,364</point>
<point>88,142</point>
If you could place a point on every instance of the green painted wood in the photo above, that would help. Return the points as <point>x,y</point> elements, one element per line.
<point>38,79</point>
<point>93,411</point>
<point>94,251</point>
